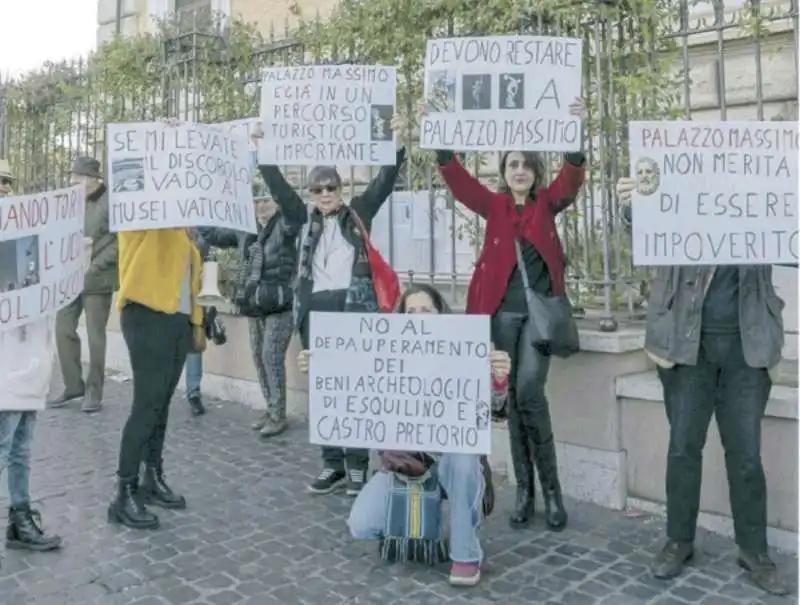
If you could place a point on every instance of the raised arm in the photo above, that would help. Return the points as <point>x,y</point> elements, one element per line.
<point>562,191</point>
<point>369,203</point>
<point>465,188</point>
<point>289,201</point>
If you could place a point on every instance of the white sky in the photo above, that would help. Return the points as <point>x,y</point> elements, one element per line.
<point>35,31</point>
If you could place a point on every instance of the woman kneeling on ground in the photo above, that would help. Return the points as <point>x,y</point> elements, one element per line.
<point>466,479</point>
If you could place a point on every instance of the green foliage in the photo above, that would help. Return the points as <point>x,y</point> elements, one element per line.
<point>630,73</point>
<point>191,73</point>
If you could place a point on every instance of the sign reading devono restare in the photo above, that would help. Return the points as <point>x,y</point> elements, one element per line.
<point>497,93</point>
<point>165,176</point>
<point>714,193</point>
<point>328,114</point>
<point>400,382</point>
<point>41,254</point>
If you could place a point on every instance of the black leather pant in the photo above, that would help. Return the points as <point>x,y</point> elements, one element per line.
<point>529,425</point>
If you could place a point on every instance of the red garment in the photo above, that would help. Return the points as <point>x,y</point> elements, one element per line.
<point>536,224</point>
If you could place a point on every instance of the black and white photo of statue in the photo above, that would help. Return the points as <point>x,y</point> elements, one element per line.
<point>380,117</point>
<point>512,91</point>
<point>441,92</point>
<point>476,92</point>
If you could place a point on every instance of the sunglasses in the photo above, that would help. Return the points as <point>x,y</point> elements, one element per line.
<point>5,181</point>
<point>326,188</point>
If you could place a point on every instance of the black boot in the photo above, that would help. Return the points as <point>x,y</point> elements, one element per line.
<point>25,531</point>
<point>196,405</point>
<point>547,467</point>
<point>155,490</point>
<point>523,510</point>
<point>128,510</point>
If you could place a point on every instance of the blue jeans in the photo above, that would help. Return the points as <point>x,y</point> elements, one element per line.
<point>16,435</point>
<point>461,477</point>
<point>194,374</point>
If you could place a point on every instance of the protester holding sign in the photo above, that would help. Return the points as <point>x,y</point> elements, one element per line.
<point>26,366</point>
<point>99,285</point>
<point>262,291</point>
<point>159,275</point>
<point>522,212</point>
<point>381,510</point>
<point>714,332</point>
<point>339,270</point>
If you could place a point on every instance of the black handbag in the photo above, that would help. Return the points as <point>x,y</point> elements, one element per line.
<point>551,326</point>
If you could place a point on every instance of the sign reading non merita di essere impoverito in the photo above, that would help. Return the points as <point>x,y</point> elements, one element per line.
<point>41,254</point>
<point>400,382</point>
<point>165,176</point>
<point>497,93</point>
<point>328,114</point>
<point>714,193</point>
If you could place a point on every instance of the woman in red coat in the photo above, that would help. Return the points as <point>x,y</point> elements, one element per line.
<point>523,208</point>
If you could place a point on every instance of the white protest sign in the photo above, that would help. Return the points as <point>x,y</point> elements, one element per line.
<point>498,93</point>
<point>328,114</point>
<point>714,193</point>
<point>187,175</point>
<point>401,382</point>
<point>242,128</point>
<point>41,254</point>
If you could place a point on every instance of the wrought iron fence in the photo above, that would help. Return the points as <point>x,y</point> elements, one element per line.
<point>720,67</point>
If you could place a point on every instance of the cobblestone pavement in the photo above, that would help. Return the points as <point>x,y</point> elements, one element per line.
<point>252,536</point>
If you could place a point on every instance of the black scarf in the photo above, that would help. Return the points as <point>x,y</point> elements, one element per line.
<point>361,297</point>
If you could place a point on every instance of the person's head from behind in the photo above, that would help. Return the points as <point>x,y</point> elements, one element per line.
<point>325,186</point>
<point>422,298</point>
<point>521,172</point>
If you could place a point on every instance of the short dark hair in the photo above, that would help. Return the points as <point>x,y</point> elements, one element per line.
<point>439,303</point>
<point>321,175</point>
<point>533,160</point>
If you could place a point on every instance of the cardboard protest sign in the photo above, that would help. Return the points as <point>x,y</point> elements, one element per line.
<point>41,254</point>
<point>497,93</point>
<point>401,382</point>
<point>187,175</point>
<point>328,114</point>
<point>714,193</point>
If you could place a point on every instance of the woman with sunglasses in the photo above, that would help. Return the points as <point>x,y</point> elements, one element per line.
<point>334,272</point>
<point>523,209</point>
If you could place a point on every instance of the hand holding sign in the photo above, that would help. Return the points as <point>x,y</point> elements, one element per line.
<point>625,188</point>
<point>258,133</point>
<point>399,127</point>
<point>302,360</point>
<point>501,365</point>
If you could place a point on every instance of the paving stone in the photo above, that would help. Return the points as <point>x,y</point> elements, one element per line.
<point>253,536</point>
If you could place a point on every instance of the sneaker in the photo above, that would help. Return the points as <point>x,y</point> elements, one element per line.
<point>91,404</point>
<point>273,427</point>
<point>260,421</point>
<point>327,481</point>
<point>64,399</point>
<point>465,574</point>
<point>196,405</point>
<point>355,481</point>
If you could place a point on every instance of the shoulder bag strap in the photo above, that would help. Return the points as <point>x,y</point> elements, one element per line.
<point>521,265</point>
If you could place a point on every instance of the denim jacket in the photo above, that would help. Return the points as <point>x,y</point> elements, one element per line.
<point>675,311</point>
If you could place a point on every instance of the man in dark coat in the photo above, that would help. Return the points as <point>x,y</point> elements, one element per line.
<point>99,285</point>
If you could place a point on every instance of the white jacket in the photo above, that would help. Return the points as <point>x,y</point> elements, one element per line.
<point>27,358</point>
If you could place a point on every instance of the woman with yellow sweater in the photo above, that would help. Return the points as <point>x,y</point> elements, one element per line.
<point>159,275</point>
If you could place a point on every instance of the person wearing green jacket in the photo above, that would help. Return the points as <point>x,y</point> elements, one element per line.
<point>99,285</point>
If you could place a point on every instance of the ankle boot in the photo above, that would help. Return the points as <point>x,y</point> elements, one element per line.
<point>25,531</point>
<point>547,467</point>
<point>128,510</point>
<point>155,490</point>
<point>523,510</point>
